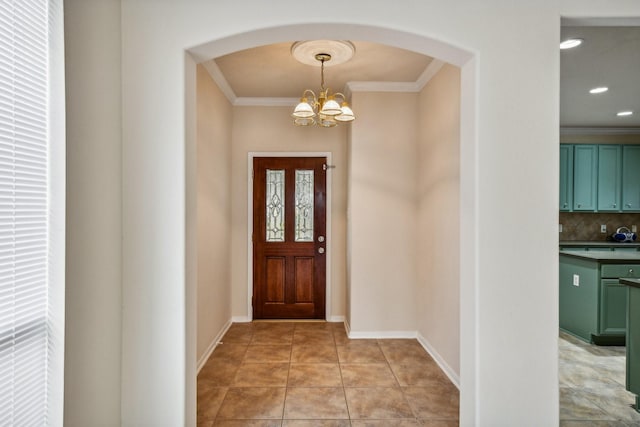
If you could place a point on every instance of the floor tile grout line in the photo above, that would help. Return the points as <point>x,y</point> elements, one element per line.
<point>340,363</point>
<point>567,348</point>
<point>344,391</point>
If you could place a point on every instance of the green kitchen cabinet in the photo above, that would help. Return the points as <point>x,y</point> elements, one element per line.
<point>633,338</point>
<point>566,178</point>
<point>609,177</point>
<point>578,302</point>
<point>613,314</point>
<point>592,302</point>
<point>585,173</point>
<point>631,178</point>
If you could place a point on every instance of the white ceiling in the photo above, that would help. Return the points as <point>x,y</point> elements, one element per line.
<point>609,56</point>
<point>271,72</point>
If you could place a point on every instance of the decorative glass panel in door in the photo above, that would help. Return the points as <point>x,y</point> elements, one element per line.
<point>275,206</point>
<point>304,206</point>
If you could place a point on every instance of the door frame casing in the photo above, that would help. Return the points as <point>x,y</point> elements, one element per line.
<point>329,241</point>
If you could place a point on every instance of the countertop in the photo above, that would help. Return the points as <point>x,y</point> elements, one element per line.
<point>596,243</point>
<point>612,257</point>
<point>631,282</point>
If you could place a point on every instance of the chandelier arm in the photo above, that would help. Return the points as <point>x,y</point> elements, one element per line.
<point>341,95</point>
<point>313,95</point>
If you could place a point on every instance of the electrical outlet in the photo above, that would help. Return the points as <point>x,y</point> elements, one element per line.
<point>634,228</point>
<point>560,228</point>
<point>576,280</point>
<point>603,228</point>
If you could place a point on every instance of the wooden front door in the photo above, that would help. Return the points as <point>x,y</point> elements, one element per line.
<point>289,240</point>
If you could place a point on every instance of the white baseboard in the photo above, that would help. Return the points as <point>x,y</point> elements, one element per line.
<point>335,319</point>
<point>381,334</point>
<point>241,319</point>
<point>449,372</point>
<point>453,376</point>
<point>213,346</point>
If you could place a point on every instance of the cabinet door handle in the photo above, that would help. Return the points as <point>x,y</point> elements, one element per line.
<point>579,205</point>
<point>628,205</point>
<point>614,205</point>
<point>630,271</point>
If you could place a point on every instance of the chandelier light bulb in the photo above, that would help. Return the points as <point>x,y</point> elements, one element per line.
<point>304,121</point>
<point>346,115</point>
<point>331,108</point>
<point>303,109</point>
<point>327,121</point>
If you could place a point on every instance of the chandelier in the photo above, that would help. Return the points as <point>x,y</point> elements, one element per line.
<point>322,109</point>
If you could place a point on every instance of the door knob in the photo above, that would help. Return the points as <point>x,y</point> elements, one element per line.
<point>320,250</point>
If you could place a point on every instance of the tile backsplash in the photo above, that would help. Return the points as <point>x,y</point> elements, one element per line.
<point>586,225</point>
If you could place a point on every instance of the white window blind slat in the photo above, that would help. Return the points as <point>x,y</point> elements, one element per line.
<point>24,156</point>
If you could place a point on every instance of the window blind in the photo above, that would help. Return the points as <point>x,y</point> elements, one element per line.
<point>23,212</point>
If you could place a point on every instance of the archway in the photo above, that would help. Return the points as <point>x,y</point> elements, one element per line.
<point>409,41</point>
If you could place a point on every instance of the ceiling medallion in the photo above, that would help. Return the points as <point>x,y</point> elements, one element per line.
<point>322,109</point>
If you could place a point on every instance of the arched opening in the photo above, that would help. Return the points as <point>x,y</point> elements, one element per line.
<point>466,161</point>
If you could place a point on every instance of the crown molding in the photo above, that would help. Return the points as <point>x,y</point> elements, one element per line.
<point>600,22</point>
<point>432,69</point>
<point>382,87</point>
<point>599,131</point>
<point>217,76</point>
<point>265,102</point>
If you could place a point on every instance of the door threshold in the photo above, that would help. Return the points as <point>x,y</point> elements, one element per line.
<point>289,320</point>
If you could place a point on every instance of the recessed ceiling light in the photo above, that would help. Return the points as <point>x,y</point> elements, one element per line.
<point>599,89</point>
<point>569,43</point>
<point>624,113</point>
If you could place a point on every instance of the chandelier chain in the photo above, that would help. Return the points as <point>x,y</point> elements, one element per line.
<point>322,74</point>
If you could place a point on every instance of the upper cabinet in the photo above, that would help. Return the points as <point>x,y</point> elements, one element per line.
<point>585,169</point>
<point>609,177</point>
<point>599,178</point>
<point>566,177</point>
<point>631,178</point>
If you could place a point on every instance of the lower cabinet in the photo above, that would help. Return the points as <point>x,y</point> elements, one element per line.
<point>633,341</point>
<point>613,307</point>
<point>593,304</point>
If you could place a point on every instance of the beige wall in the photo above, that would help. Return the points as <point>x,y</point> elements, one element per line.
<point>438,287</point>
<point>266,129</point>
<point>94,214</point>
<point>213,138</point>
<point>382,214</point>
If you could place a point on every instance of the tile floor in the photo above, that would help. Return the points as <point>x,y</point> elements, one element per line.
<point>303,374</point>
<point>592,386</point>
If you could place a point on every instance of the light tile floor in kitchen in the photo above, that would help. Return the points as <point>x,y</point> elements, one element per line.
<point>303,374</point>
<point>592,386</point>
